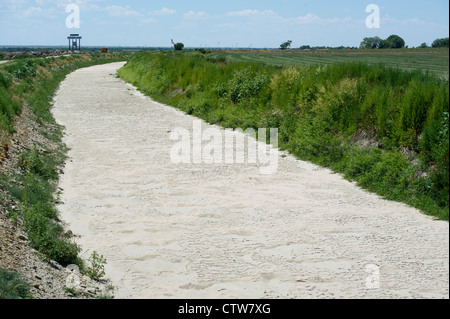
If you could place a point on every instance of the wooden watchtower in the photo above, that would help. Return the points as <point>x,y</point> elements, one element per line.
<point>74,42</point>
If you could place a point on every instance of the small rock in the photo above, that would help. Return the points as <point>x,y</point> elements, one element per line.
<point>68,234</point>
<point>73,268</point>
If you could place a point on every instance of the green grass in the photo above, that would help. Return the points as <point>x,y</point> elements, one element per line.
<point>435,61</point>
<point>13,286</point>
<point>323,112</point>
<point>35,187</point>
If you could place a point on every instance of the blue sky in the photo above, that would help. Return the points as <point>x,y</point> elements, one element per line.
<point>201,23</point>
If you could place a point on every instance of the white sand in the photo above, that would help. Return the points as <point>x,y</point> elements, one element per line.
<point>226,231</point>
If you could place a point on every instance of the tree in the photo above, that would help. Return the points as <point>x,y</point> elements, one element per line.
<point>440,43</point>
<point>286,45</point>
<point>423,45</point>
<point>178,46</point>
<point>371,43</point>
<point>394,42</point>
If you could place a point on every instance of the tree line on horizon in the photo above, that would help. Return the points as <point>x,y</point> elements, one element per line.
<point>392,42</point>
<point>396,42</point>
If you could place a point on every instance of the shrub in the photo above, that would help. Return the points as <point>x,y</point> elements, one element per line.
<point>23,68</point>
<point>5,80</point>
<point>178,46</point>
<point>203,51</point>
<point>96,269</point>
<point>38,213</point>
<point>359,161</point>
<point>13,286</point>
<point>46,236</point>
<point>246,83</point>
<point>217,59</point>
<point>31,162</point>
<point>8,108</point>
<point>387,175</point>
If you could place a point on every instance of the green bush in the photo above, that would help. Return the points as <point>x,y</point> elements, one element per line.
<point>39,216</point>
<point>22,68</point>
<point>359,161</point>
<point>46,236</point>
<point>13,286</point>
<point>246,83</point>
<point>31,162</point>
<point>8,108</point>
<point>96,268</point>
<point>5,80</point>
<point>386,175</point>
<point>178,46</point>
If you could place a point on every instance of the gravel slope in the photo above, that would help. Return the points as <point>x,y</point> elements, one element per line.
<point>47,279</point>
<point>224,230</point>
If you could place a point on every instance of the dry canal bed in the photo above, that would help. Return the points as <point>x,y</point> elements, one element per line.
<point>175,230</point>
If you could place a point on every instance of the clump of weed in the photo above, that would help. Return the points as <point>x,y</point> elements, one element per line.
<point>96,268</point>
<point>13,286</point>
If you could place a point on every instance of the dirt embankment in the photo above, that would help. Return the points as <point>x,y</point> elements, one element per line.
<point>48,280</point>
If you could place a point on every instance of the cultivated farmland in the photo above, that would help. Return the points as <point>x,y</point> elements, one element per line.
<point>432,60</point>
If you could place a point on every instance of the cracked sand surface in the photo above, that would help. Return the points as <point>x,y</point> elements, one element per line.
<point>222,230</point>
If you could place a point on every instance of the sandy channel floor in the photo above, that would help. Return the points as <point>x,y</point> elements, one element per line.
<point>225,230</point>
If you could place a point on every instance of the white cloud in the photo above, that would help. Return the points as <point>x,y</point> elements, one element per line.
<point>271,16</point>
<point>12,5</point>
<point>412,22</point>
<point>313,19</point>
<point>163,12</point>
<point>249,13</point>
<point>192,15</point>
<point>242,13</point>
<point>32,11</point>
<point>310,18</point>
<point>121,11</point>
<point>149,20</point>
<point>83,4</point>
<point>39,12</point>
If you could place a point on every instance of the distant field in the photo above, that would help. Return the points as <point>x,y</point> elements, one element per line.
<point>432,60</point>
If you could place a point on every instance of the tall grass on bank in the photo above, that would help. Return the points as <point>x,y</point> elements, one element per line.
<point>385,128</point>
<point>13,286</point>
<point>33,184</point>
